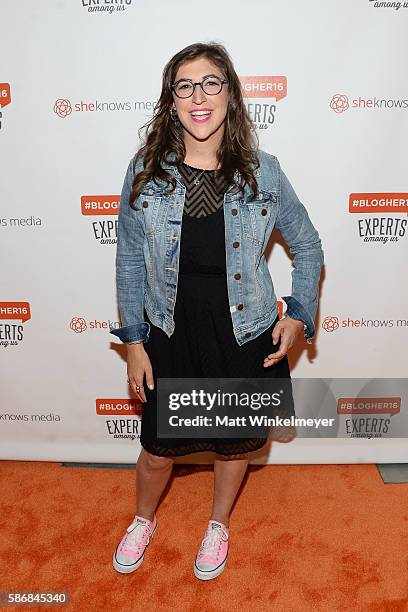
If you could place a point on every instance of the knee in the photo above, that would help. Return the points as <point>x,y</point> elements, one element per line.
<point>155,462</point>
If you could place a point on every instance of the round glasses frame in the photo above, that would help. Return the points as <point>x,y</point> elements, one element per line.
<point>202,85</point>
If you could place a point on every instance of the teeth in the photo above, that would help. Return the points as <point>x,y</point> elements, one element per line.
<point>198,113</point>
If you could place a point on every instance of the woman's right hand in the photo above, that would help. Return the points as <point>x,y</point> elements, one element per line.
<point>139,365</point>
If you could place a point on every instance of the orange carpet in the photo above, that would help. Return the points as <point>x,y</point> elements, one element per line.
<point>313,537</point>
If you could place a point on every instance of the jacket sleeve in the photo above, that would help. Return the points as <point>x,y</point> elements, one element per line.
<point>304,244</point>
<point>130,269</point>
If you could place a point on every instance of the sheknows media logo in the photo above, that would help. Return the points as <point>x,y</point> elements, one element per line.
<point>105,231</point>
<point>80,325</point>
<point>5,99</point>
<point>341,103</point>
<point>332,323</point>
<point>263,89</point>
<point>63,106</point>
<point>21,221</point>
<point>12,333</point>
<point>377,229</point>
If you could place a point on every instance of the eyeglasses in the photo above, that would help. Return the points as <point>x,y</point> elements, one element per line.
<point>211,85</point>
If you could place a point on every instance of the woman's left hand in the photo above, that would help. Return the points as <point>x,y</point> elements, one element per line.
<point>287,329</point>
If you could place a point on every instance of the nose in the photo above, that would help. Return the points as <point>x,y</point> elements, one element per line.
<point>198,95</point>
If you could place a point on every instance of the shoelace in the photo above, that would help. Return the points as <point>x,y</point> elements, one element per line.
<point>211,543</point>
<point>138,537</point>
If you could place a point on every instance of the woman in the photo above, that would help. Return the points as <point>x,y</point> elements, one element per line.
<point>198,204</point>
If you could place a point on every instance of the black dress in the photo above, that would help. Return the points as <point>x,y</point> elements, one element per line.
<point>203,342</point>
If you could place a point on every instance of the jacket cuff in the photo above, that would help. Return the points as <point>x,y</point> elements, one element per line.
<point>295,310</point>
<point>132,333</point>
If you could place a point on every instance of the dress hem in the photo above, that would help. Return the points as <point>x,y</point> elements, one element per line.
<point>204,450</point>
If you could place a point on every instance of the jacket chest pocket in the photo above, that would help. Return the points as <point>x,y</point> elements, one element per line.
<point>256,215</point>
<point>153,206</point>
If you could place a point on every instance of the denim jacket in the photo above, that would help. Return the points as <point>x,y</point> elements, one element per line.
<point>148,249</point>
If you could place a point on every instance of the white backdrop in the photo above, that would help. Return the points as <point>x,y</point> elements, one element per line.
<point>78,78</point>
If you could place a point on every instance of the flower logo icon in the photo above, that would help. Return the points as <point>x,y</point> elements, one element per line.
<point>78,324</point>
<point>62,107</point>
<point>330,324</point>
<point>339,103</point>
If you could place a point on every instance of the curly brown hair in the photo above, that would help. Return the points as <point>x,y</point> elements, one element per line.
<point>164,135</point>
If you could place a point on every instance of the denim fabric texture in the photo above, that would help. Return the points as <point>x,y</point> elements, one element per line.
<point>148,249</point>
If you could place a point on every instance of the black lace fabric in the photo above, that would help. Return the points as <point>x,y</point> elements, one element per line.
<point>203,343</point>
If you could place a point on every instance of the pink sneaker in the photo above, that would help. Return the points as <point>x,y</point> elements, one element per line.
<point>212,555</point>
<point>129,553</point>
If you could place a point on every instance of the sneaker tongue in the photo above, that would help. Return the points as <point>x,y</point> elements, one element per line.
<point>135,523</point>
<point>214,525</point>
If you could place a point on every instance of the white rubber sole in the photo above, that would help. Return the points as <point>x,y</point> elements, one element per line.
<point>209,575</point>
<point>128,569</point>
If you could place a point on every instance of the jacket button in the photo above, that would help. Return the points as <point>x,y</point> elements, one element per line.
<point>235,245</point>
<point>237,276</point>
<point>264,212</point>
<point>240,306</point>
<point>234,211</point>
<point>247,334</point>
<point>145,204</point>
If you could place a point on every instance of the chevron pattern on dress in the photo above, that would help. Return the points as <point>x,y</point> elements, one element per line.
<point>206,197</point>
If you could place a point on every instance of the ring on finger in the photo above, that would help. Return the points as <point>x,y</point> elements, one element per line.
<point>137,386</point>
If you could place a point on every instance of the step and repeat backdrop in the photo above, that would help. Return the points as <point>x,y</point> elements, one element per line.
<point>325,84</point>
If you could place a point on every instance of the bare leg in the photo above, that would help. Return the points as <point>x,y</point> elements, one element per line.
<point>152,475</point>
<point>228,475</point>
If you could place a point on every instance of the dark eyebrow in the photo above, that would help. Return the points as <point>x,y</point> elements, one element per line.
<point>204,77</point>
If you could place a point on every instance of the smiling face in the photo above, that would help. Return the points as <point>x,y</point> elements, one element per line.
<point>201,115</point>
